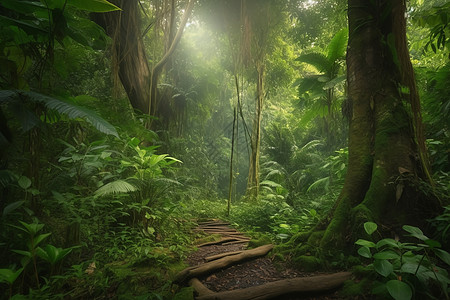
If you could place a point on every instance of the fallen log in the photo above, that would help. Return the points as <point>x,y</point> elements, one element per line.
<point>217,256</point>
<point>236,242</point>
<point>281,287</point>
<point>218,222</point>
<point>199,287</point>
<point>221,263</point>
<point>221,241</point>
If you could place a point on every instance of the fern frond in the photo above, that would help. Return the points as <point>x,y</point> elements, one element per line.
<point>270,183</point>
<point>321,183</point>
<point>317,60</point>
<point>71,110</point>
<point>115,187</point>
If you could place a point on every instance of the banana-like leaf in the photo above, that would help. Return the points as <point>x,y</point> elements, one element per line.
<point>337,46</point>
<point>333,82</point>
<point>115,187</point>
<point>317,60</point>
<point>71,110</point>
<point>93,5</point>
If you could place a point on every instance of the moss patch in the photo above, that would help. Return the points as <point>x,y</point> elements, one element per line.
<point>307,263</point>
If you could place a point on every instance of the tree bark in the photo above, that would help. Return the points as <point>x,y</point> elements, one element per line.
<point>253,174</point>
<point>385,134</point>
<point>129,59</point>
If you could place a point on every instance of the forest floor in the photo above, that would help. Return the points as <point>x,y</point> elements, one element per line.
<point>251,272</point>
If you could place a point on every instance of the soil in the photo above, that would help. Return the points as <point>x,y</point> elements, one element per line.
<point>251,273</point>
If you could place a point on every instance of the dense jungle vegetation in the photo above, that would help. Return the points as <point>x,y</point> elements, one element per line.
<point>321,126</point>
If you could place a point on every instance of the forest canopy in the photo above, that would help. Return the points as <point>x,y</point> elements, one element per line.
<point>321,127</point>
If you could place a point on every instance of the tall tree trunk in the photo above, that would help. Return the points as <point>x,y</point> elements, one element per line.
<point>253,174</point>
<point>129,58</point>
<point>385,138</point>
<point>157,69</point>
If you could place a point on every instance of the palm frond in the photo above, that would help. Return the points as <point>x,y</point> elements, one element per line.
<point>71,110</point>
<point>115,187</point>
<point>337,46</point>
<point>270,184</point>
<point>317,60</point>
<point>334,82</point>
<point>7,177</point>
<point>310,84</point>
<point>323,183</point>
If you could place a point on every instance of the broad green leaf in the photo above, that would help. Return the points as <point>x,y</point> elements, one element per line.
<point>52,254</point>
<point>365,243</point>
<point>24,182</point>
<point>433,243</point>
<point>93,5</point>
<point>317,60</point>
<point>364,252</point>
<point>415,232</point>
<point>442,254</point>
<point>388,254</point>
<point>32,228</point>
<point>333,82</point>
<point>415,268</point>
<point>370,227</point>
<point>40,238</point>
<point>338,45</point>
<point>388,242</point>
<point>9,276</point>
<point>23,253</point>
<point>12,207</point>
<point>383,267</point>
<point>399,290</point>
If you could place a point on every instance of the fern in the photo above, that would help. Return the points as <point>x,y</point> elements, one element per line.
<point>320,183</point>
<point>71,110</point>
<point>115,187</point>
<point>316,59</point>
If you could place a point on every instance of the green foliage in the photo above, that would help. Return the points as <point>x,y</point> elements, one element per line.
<point>15,99</point>
<point>406,269</point>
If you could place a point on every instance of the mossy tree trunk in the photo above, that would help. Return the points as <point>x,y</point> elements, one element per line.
<point>253,174</point>
<point>386,145</point>
<point>129,59</point>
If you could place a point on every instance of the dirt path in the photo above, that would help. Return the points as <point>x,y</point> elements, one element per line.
<point>252,278</point>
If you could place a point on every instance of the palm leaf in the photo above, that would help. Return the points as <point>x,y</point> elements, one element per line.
<point>337,46</point>
<point>71,110</point>
<point>317,60</point>
<point>270,183</point>
<point>310,84</point>
<point>320,183</point>
<point>115,187</point>
<point>333,82</point>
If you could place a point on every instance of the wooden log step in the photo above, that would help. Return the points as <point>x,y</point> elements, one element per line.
<point>221,241</point>
<point>236,242</point>
<point>207,223</point>
<point>273,289</point>
<point>225,228</point>
<point>217,256</point>
<point>221,263</point>
<point>199,287</point>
